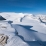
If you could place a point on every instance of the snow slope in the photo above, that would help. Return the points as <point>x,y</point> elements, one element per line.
<point>13,40</point>
<point>26,29</point>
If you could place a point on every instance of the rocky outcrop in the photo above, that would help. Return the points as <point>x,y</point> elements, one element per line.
<point>3,39</point>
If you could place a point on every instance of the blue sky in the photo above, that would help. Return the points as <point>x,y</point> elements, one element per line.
<point>24,6</point>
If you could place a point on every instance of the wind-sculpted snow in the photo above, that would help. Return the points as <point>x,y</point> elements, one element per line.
<point>24,29</point>
<point>29,35</point>
<point>13,39</point>
<point>26,36</point>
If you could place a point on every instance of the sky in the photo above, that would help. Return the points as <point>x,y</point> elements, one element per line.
<point>23,6</point>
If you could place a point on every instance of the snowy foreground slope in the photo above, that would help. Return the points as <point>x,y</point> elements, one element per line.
<point>26,29</point>
<point>13,40</point>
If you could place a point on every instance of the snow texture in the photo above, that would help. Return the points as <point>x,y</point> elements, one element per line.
<point>23,29</point>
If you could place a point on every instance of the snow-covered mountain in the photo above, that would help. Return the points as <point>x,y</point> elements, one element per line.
<point>24,29</point>
<point>20,16</point>
<point>24,18</point>
<point>16,16</point>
